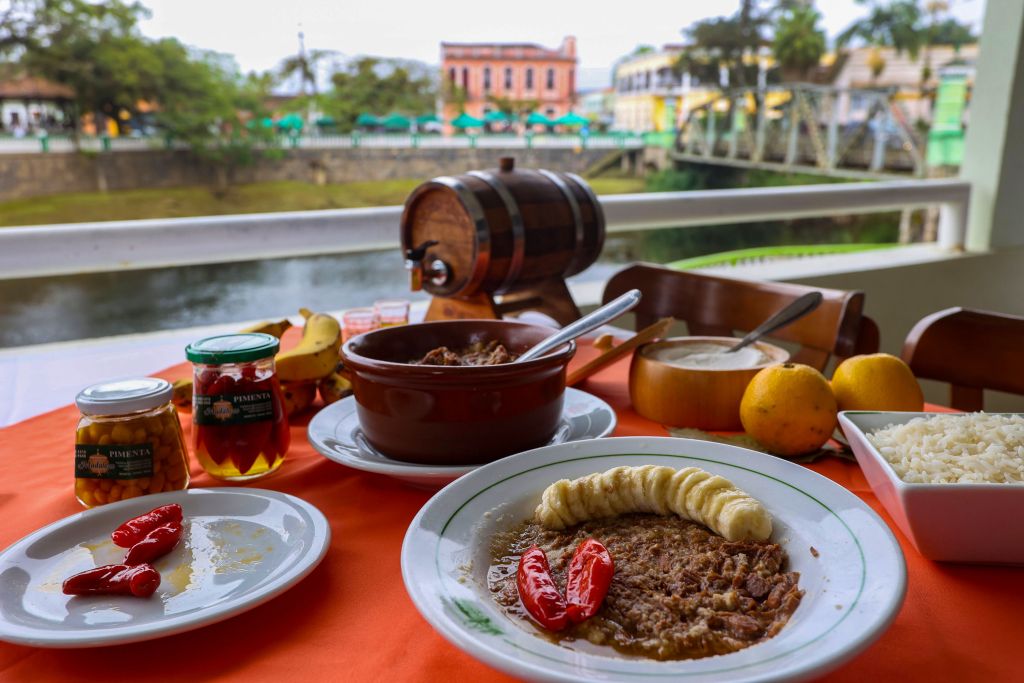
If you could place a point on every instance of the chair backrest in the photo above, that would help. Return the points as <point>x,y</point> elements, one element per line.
<point>972,350</point>
<point>721,306</point>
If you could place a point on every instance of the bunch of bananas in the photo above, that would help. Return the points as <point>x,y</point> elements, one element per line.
<point>304,371</point>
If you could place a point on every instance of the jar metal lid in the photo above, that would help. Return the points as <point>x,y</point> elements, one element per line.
<point>232,348</point>
<point>124,396</point>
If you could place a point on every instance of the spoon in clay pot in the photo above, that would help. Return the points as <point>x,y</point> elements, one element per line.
<point>791,313</point>
<point>591,321</point>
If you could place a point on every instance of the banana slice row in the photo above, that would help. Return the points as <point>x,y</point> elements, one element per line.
<point>690,493</point>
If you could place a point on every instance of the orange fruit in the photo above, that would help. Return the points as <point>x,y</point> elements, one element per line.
<point>789,409</point>
<point>878,381</point>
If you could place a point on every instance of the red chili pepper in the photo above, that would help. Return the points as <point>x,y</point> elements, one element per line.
<point>217,439</point>
<point>590,575</point>
<point>225,384</point>
<point>538,592</point>
<point>157,543</point>
<point>251,440</point>
<point>282,433</point>
<point>114,579</point>
<point>136,528</point>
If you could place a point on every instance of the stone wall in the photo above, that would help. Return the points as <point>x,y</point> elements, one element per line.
<point>31,175</point>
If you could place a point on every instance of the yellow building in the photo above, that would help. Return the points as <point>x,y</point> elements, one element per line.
<point>651,96</point>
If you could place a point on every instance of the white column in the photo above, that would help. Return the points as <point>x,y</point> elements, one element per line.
<point>994,148</point>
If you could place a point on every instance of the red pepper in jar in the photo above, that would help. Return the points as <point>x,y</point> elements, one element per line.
<point>136,528</point>
<point>590,575</point>
<point>538,592</point>
<point>250,442</point>
<point>240,429</point>
<point>157,543</point>
<point>282,432</point>
<point>114,579</point>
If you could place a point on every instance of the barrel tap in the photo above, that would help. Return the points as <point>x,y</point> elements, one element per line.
<point>437,271</point>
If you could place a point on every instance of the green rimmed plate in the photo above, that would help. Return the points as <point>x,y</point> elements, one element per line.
<point>854,581</point>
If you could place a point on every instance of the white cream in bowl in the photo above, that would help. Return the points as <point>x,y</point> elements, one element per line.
<point>710,356</point>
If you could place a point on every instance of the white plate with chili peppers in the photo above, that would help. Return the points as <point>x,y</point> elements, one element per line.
<point>156,565</point>
<point>457,567</point>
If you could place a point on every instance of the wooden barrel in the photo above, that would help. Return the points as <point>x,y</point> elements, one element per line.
<point>499,229</point>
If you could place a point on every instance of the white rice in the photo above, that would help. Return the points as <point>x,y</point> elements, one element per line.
<point>951,449</point>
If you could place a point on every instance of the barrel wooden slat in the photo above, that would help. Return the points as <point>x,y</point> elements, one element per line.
<point>499,230</point>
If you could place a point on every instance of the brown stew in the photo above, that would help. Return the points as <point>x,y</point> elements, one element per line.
<point>679,591</point>
<point>490,352</point>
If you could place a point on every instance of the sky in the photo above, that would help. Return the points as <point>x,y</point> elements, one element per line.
<point>260,33</point>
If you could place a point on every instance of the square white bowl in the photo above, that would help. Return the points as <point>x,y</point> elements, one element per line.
<point>948,522</point>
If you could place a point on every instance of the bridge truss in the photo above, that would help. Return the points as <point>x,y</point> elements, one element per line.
<point>804,128</point>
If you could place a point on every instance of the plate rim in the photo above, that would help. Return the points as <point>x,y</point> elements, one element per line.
<point>400,469</point>
<point>456,635</point>
<point>134,633</point>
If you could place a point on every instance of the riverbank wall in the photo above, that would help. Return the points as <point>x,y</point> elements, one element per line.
<point>34,175</point>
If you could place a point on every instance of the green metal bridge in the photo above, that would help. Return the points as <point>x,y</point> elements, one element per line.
<point>863,133</point>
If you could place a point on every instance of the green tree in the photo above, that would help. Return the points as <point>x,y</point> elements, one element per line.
<point>205,103</point>
<point>726,44</point>
<point>513,107</point>
<point>799,43</point>
<point>380,86</point>
<point>896,24</point>
<point>95,49</point>
<point>305,65</point>
<point>950,32</point>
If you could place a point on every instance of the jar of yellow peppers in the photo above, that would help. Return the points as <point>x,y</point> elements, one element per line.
<point>128,442</point>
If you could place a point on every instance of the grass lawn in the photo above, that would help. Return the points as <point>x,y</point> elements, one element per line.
<point>255,198</point>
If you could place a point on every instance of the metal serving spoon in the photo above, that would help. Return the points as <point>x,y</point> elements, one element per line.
<point>610,311</point>
<point>796,310</point>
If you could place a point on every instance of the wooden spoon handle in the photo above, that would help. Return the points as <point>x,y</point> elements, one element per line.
<point>645,335</point>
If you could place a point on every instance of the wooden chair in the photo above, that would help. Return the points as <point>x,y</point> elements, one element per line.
<point>971,350</point>
<point>719,306</point>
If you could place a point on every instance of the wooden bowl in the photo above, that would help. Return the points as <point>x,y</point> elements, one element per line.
<point>458,415</point>
<point>704,398</point>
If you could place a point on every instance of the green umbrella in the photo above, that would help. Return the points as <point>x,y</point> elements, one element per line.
<point>571,119</point>
<point>536,118</point>
<point>262,123</point>
<point>464,120</point>
<point>290,121</point>
<point>365,120</point>
<point>427,118</point>
<point>497,116</point>
<point>326,121</point>
<point>396,122</point>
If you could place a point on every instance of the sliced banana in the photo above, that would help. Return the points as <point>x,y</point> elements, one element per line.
<point>690,493</point>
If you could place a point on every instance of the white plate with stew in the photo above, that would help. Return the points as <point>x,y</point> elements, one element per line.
<point>240,548</point>
<point>851,567</point>
<point>334,432</point>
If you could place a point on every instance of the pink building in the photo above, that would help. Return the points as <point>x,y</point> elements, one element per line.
<point>515,71</point>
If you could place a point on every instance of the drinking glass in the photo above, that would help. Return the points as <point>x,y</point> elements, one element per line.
<point>357,321</point>
<point>391,312</point>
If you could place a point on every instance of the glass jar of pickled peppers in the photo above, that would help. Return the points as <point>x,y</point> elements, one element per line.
<point>128,442</point>
<point>239,425</point>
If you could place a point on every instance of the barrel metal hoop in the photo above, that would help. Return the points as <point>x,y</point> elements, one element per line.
<point>598,211</point>
<point>577,217</point>
<point>483,234</point>
<point>518,229</point>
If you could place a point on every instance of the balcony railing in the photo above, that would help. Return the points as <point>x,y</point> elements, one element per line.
<point>112,246</point>
<point>63,144</point>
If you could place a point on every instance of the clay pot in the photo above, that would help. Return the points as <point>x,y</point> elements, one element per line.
<point>455,415</point>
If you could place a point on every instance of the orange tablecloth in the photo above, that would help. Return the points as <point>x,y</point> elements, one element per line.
<point>352,620</point>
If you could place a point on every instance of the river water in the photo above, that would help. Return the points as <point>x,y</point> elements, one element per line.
<point>50,309</point>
